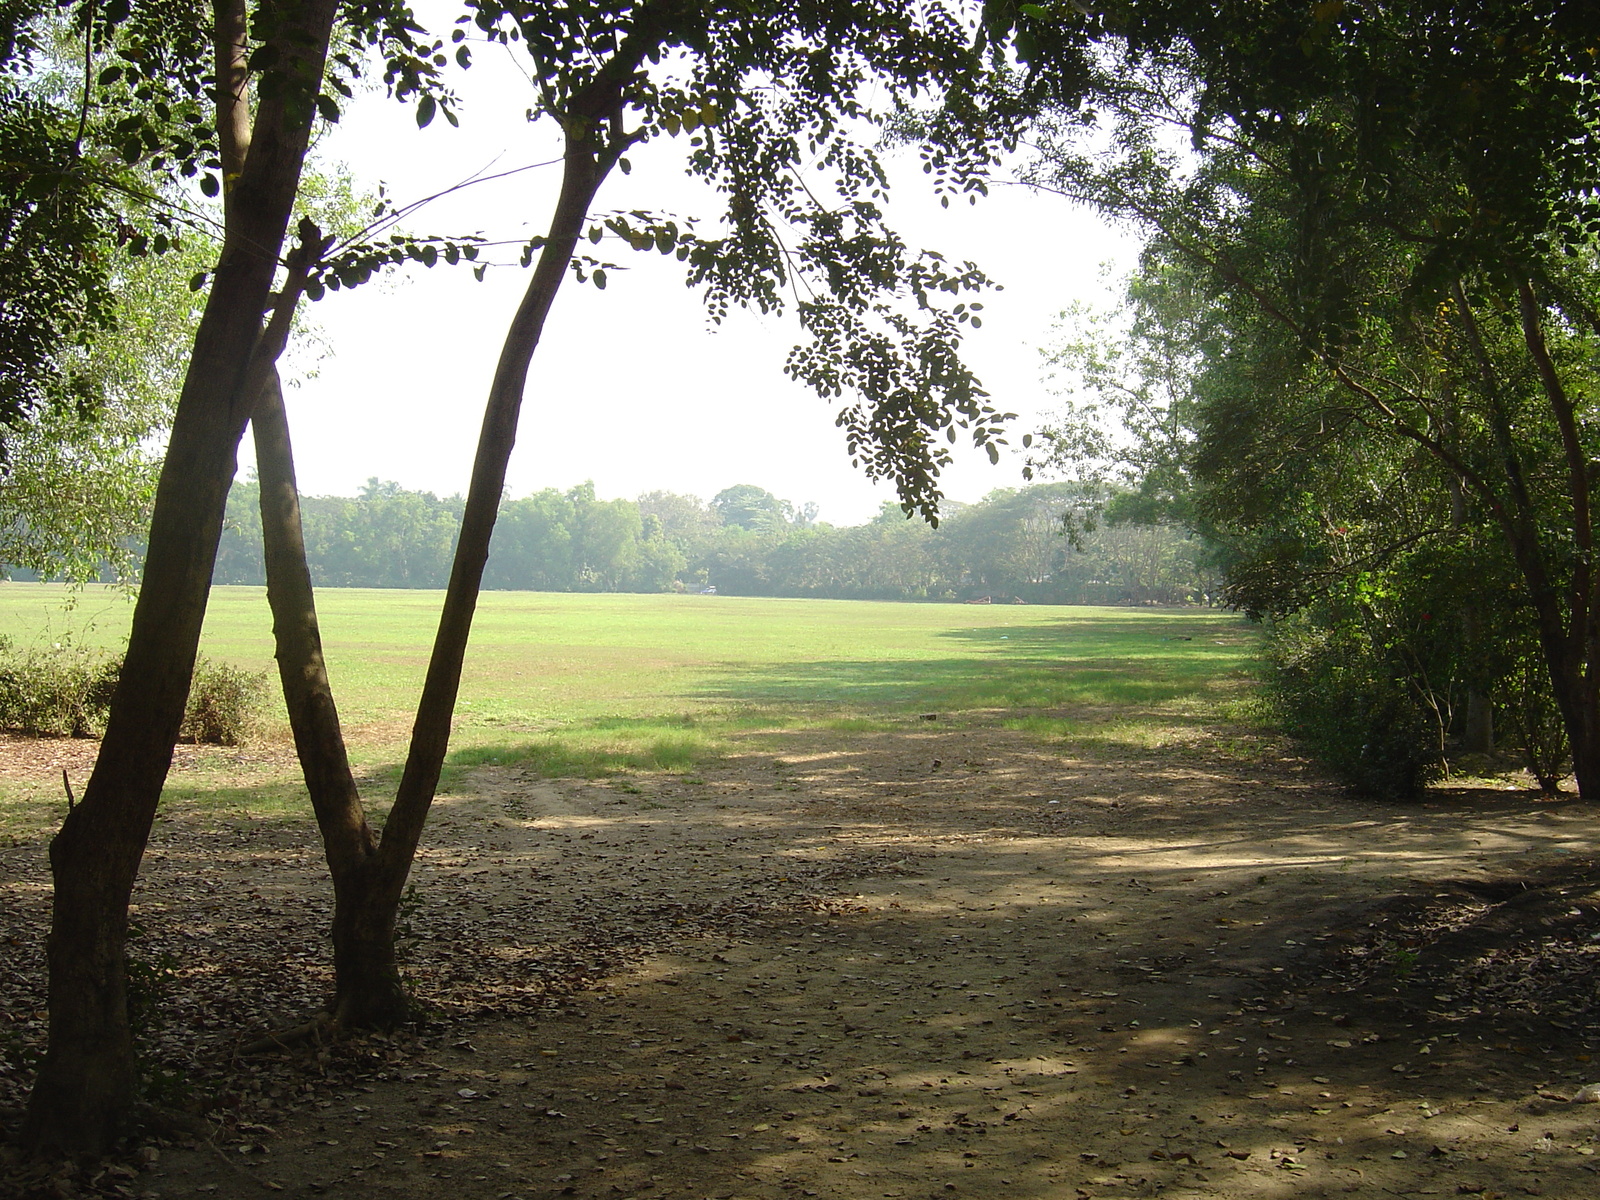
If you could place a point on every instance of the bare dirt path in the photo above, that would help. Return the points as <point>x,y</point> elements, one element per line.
<point>923,963</point>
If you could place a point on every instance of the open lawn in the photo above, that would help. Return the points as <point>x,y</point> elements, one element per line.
<point>587,682</point>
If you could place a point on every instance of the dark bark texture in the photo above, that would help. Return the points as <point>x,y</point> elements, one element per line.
<point>85,1094</point>
<point>369,991</point>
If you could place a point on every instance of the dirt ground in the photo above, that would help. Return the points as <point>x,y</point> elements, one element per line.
<point>923,963</point>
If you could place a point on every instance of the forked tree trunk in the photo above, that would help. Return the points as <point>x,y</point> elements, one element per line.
<point>84,1097</point>
<point>369,934</point>
<point>369,879</point>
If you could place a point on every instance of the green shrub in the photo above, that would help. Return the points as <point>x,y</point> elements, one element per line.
<point>225,704</point>
<point>1536,723</point>
<point>62,691</point>
<point>65,691</point>
<point>1329,690</point>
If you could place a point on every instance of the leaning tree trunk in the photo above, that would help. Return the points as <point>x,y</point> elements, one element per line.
<point>369,877</point>
<point>368,989</point>
<point>365,934</point>
<point>85,1094</point>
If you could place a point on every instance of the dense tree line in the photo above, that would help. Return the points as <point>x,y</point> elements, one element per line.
<point>1037,544</point>
<point>1360,355</point>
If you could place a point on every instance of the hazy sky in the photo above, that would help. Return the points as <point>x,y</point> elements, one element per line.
<point>633,387</point>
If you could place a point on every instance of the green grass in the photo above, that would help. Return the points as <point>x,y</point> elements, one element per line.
<point>588,684</point>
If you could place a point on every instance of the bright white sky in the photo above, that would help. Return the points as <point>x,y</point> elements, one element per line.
<point>632,387</point>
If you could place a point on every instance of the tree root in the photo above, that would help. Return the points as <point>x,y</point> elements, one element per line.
<point>152,1120</point>
<point>321,1026</point>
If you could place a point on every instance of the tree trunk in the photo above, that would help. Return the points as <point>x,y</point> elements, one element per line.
<point>369,899</point>
<point>368,989</point>
<point>84,1096</point>
<point>369,880</point>
<point>370,993</point>
<point>1477,724</point>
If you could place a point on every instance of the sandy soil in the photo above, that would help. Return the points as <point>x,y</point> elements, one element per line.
<point>926,963</point>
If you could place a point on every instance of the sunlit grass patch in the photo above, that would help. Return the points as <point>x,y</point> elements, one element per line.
<point>858,725</point>
<point>283,798</point>
<point>597,749</point>
<point>1189,721</point>
<point>28,811</point>
<point>1147,732</point>
<point>1043,726</point>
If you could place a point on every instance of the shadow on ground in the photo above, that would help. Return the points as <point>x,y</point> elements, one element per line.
<point>929,962</point>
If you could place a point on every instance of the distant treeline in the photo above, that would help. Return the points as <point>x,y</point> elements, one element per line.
<point>1014,545</point>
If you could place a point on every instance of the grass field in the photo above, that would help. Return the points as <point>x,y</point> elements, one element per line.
<point>582,682</point>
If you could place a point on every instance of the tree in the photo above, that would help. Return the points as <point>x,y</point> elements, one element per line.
<point>95,310</point>
<point>608,540</point>
<point>86,1088</point>
<point>59,225</point>
<point>1393,212</point>
<point>685,521</point>
<point>657,561</point>
<point>874,312</point>
<point>1016,540</point>
<point>1127,417</point>
<point>533,544</point>
<point>752,508</point>
<point>77,484</point>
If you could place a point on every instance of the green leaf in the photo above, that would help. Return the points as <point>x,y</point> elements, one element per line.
<point>425,110</point>
<point>600,279</point>
<point>209,184</point>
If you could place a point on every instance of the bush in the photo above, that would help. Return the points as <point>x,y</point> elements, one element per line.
<point>65,691</point>
<point>225,704</point>
<point>1537,723</point>
<point>61,692</point>
<point>1329,690</point>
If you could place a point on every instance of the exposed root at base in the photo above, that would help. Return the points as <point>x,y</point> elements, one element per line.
<point>320,1027</point>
